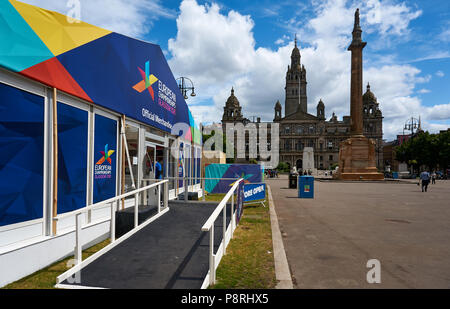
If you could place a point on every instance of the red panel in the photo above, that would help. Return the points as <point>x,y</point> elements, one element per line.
<point>54,74</point>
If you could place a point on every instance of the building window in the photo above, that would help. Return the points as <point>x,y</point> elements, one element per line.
<point>330,158</point>
<point>287,130</point>
<point>311,130</point>
<point>330,144</point>
<point>299,130</point>
<point>287,145</point>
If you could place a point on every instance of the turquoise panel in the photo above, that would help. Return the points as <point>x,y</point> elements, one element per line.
<point>20,47</point>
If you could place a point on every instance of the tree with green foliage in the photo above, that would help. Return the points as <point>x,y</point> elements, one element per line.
<point>283,167</point>
<point>425,149</point>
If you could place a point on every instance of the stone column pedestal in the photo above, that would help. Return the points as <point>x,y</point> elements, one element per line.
<point>357,160</point>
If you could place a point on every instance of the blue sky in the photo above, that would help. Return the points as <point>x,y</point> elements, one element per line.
<point>247,44</point>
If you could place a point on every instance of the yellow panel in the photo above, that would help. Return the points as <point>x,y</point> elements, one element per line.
<point>55,30</point>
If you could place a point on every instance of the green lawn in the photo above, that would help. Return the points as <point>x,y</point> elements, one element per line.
<point>46,278</point>
<point>249,263</point>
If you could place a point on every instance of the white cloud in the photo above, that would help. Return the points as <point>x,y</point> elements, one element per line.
<point>445,35</point>
<point>389,17</point>
<point>438,112</point>
<point>423,91</point>
<point>440,74</point>
<point>134,18</point>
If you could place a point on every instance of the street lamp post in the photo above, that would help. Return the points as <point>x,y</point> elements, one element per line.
<point>411,125</point>
<point>186,84</point>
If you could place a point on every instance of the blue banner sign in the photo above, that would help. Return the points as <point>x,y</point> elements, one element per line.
<point>254,192</point>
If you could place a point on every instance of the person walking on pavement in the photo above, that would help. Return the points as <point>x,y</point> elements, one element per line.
<point>433,178</point>
<point>425,179</point>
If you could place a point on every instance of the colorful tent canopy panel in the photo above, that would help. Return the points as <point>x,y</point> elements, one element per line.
<point>126,75</point>
<point>251,173</point>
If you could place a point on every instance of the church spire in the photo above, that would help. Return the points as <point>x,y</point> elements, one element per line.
<point>295,57</point>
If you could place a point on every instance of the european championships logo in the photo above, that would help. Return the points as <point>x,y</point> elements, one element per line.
<point>104,171</point>
<point>147,81</point>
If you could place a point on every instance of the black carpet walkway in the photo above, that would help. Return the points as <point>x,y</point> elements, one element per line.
<point>170,253</point>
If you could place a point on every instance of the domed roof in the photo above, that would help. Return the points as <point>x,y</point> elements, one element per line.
<point>369,97</point>
<point>232,100</point>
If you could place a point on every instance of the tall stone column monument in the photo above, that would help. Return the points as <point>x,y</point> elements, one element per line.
<point>357,154</point>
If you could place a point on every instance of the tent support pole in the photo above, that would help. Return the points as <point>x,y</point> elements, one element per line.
<point>55,162</point>
<point>123,160</point>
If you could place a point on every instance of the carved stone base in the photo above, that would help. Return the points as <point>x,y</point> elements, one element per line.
<point>357,160</point>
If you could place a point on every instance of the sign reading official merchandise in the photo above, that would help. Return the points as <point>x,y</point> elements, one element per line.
<point>254,192</point>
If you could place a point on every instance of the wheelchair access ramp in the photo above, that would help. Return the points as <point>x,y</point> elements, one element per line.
<point>170,253</point>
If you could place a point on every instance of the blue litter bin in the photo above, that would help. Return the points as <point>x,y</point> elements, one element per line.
<point>395,175</point>
<point>306,187</point>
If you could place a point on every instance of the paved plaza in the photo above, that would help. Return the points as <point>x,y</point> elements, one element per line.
<point>330,239</point>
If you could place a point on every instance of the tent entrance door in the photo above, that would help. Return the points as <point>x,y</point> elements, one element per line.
<point>150,197</point>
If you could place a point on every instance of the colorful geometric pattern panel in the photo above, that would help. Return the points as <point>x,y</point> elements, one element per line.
<point>21,155</point>
<point>58,32</point>
<point>20,47</point>
<point>251,173</point>
<point>126,75</point>
<point>53,73</point>
<point>139,83</point>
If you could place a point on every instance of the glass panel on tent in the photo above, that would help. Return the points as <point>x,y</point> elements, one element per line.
<point>172,166</point>
<point>132,135</point>
<point>21,155</point>
<point>105,158</point>
<point>72,157</point>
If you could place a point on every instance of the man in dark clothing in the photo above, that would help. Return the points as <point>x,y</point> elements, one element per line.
<point>425,178</point>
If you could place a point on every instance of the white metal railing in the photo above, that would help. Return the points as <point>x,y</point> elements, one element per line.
<point>214,259</point>
<point>114,204</point>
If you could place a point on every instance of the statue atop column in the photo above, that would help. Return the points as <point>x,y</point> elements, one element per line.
<point>357,154</point>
